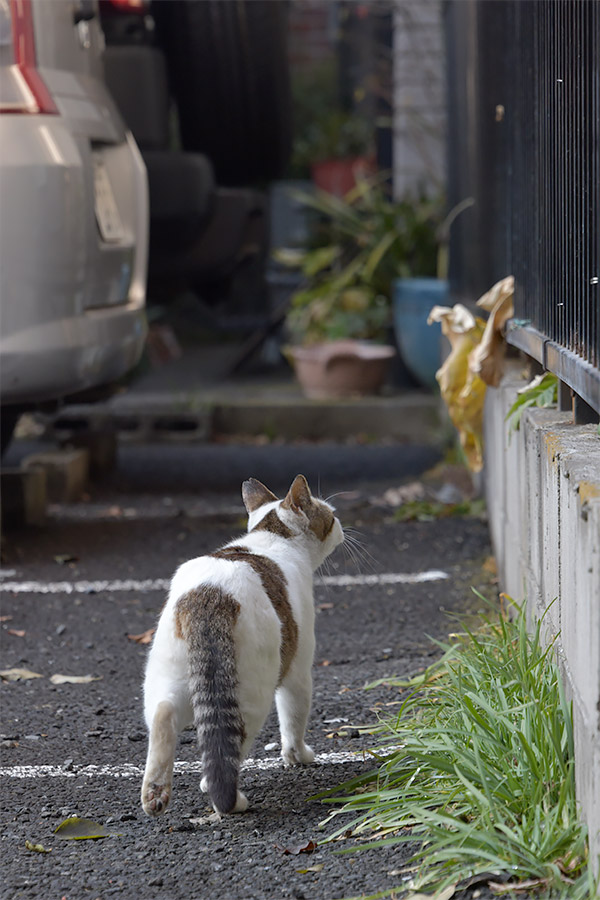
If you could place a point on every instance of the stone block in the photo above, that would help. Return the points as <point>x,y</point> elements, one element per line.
<point>23,497</point>
<point>67,472</point>
<point>101,445</point>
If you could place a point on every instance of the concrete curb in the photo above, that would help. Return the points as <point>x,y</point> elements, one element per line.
<point>543,495</point>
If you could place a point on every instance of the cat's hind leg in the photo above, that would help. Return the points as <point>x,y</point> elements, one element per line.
<point>293,706</point>
<point>158,775</point>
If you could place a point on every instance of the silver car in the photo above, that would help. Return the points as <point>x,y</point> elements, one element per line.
<point>73,210</point>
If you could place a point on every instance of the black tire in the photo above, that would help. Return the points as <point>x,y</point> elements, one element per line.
<point>9,416</point>
<point>229,74</point>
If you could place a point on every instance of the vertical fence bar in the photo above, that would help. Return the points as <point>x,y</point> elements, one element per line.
<point>544,174</point>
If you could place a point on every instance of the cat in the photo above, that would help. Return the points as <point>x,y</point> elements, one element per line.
<point>236,630</point>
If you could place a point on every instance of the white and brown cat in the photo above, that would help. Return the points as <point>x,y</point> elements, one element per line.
<point>236,631</point>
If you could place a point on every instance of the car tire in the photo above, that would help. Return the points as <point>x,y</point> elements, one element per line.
<point>9,416</point>
<point>229,74</point>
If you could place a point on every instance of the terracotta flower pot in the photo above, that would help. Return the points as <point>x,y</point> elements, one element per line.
<point>338,176</point>
<point>340,368</point>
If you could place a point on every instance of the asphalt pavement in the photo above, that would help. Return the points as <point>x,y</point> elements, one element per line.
<point>75,593</point>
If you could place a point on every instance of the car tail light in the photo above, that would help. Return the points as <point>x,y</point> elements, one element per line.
<point>22,89</point>
<point>131,6</point>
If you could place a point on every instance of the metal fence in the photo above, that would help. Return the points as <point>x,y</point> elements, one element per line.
<point>524,98</point>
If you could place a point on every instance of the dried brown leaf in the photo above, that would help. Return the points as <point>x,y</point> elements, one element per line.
<point>442,895</point>
<point>17,632</point>
<point>63,558</point>
<point>520,886</point>
<point>144,638</point>
<point>296,849</point>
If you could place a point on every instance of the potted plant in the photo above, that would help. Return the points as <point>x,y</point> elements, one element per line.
<point>416,293</point>
<point>341,152</point>
<point>343,312</point>
<point>332,146</point>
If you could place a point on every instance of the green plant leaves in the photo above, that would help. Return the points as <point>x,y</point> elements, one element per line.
<point>364,241</point>
<point>541,391</point>
<point>479,770</point>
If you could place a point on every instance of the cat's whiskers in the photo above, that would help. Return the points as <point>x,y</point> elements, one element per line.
<point>338,494</point>
<point>357,552</point>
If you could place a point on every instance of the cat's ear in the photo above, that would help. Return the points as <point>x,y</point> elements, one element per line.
<point>299,495</point>
<point>255,494</point>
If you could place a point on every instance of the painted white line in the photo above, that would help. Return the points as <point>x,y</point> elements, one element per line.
<point>162,584</point>
<point>84,587</point>
<point>383,578</point>
<point>128,770</point>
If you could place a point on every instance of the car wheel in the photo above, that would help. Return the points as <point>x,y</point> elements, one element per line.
<point>8,420</point>
<point>229,73</point>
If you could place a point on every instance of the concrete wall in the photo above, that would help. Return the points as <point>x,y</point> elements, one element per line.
<point>419,97</point>
<point>543,493</point>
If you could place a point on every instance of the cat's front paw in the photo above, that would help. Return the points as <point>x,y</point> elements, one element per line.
<point>155,798</point>
<point>295,756</point>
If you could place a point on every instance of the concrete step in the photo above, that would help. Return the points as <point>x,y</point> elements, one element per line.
<point>277,412</point>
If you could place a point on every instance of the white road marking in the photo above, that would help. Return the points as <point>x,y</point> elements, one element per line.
<point>383,578</point>
<point>129,770</point>
<point>162,584</point>
<point>84,587</point>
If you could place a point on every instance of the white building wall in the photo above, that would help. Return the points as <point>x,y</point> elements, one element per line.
<point>419,97</point>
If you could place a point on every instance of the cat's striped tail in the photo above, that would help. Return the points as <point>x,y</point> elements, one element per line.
<point>206,618</point>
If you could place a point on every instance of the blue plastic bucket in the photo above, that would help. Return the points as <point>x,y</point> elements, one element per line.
<point>419,343</point>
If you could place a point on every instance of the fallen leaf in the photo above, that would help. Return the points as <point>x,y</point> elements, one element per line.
<point>37,848</point>
<point>481,878</point>
<point>442,895</point>
<point>74,679</point>
<point>144,638</point>
<point>212,819</point>
<point>5,618</point>
<point>487,359</point>
<point>76,829</point>
<point>18,632</point>
<point>490,565</point>
<point>18,674</point>
<point>298,848</point>
<point>325,663</point>
<point>462,390</point>
<point>533,884</point>
<point>63,558</point>
<point>405,494</point>
<point>325,606</point>
<point>316,868</point>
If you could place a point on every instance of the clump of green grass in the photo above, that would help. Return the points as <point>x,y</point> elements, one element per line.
<point>428,510</point>
<point>477,770</point>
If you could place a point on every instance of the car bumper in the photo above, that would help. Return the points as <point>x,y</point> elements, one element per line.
<point>72,304</point>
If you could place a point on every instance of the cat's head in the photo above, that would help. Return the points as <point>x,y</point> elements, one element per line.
<point>298,515</point>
